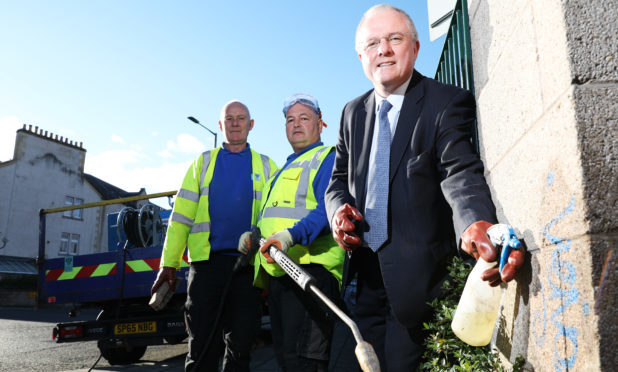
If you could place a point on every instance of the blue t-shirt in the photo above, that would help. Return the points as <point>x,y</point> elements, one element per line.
<point>315,223</point>
<point>230,200</point>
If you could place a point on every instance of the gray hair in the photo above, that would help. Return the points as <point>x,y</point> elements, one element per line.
<point>385,7</point>
<point>222,115</point>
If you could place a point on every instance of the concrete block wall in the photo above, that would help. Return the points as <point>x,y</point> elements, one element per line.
<point>546,84</point>
<point>592,39</point>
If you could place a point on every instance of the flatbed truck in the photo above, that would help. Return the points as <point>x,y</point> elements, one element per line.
<point>118,283</point>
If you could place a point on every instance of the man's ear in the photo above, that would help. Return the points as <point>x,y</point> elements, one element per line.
<point>220,126</point>
<point>251,124</point>
<point>417,47</point>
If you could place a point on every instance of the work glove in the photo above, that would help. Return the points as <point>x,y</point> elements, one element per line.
<point>476,243</point>
<point>282,240</point>
<point>343,227</point>
<point>163,288</point>
<point>165,274</point>
<point>244,243</point>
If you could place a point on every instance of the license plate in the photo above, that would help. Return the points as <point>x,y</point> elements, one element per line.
<point>135,328</point>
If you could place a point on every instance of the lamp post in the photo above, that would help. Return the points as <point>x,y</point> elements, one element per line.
<point>201,125</point>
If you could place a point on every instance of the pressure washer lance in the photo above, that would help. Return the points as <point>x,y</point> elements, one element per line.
<point>367,358</point>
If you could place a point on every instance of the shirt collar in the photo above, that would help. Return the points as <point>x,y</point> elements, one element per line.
<point>294,156</point>
<point>226,151</point>
<point>395,98</point>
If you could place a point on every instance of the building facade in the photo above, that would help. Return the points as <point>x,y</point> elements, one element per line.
<point>47,171</point>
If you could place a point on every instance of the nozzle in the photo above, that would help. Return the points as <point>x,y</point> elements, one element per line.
<point>504,236</point>
<point>367,358</point>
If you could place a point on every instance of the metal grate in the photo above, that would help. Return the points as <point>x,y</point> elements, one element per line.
<point>455,65</point>
<point>17,265</point>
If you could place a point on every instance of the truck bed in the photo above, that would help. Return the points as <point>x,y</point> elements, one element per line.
<point>99,277</point>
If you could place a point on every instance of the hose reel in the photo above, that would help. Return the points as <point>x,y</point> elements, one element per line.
<point>141,228</point>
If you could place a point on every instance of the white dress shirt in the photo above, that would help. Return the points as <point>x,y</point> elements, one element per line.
<point>395,99</point>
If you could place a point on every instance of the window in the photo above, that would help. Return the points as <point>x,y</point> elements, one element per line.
<point>77,213</point>
<point>69,244</point>
<point>68,201</point>
<point>74,246</point>
<point>74,213</point>
<point>64,243</point>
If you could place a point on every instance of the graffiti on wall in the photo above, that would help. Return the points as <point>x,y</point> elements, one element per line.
<point>561,278</point>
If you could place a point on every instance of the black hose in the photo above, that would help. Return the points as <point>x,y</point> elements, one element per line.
<point>95,363</point>
<point>130,226</point>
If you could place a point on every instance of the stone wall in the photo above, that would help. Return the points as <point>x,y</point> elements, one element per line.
<point>546,84</point>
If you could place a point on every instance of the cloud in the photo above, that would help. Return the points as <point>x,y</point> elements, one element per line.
<point>189,144</point>
<point>114,158</point>
<point>116,138</point>
<point>128,170</point>
<point>8,126</point>
<point>184,144</point>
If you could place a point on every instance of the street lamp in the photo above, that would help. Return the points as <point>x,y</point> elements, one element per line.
<point>201,125</point>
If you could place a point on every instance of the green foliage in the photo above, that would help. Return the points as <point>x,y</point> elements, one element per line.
<point>444,351</point>
<point>518,366</point>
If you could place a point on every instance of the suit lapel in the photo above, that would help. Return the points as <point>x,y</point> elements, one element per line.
<point>364,135</point>
<point>409,115</point>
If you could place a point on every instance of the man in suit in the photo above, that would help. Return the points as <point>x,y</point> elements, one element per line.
<point>406,182</point>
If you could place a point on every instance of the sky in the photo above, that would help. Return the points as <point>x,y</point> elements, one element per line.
<point>123,76</point>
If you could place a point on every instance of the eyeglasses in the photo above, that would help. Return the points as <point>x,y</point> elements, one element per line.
<point>394,38</point>
<point>303,99</point>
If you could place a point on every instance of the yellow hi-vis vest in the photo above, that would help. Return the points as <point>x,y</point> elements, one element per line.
<point>189,223</point>
<point>286,202</point>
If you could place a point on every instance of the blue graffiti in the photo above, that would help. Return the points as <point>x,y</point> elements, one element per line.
<point>564,272</point>
<point>550,179</point>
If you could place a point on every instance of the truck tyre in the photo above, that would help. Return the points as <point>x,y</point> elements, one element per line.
<point>176,339</point>
<point>125,354</point>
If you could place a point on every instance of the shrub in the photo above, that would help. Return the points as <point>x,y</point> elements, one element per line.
<point>446,352</point>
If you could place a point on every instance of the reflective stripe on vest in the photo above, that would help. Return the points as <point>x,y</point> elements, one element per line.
<point>300,199</point>
<point>177,217</point>
<point>295,182</point>
<point>205,164</point>
<point>189,195</point>
<point>201,227</point>
<point>190,223</point>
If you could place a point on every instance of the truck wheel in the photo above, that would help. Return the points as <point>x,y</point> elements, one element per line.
<point>122,354</point>
<point>173,340</point>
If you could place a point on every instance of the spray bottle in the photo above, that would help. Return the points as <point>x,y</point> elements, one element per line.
<point>476,313</point>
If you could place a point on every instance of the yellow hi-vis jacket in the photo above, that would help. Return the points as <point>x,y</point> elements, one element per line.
<point>189,223</point>
<point>286,202</point>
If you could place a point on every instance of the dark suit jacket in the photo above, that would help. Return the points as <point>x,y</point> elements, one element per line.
<point>437,187</point>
